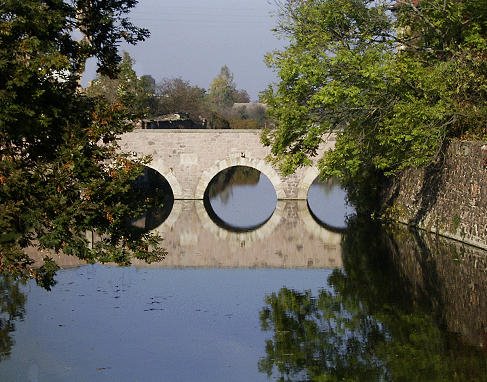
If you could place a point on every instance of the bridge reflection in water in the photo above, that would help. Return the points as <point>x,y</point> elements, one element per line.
<point>291,238</point>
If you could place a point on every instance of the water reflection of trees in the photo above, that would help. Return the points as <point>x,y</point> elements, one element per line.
<point>221,185</point>
<point>369,325</point>
<point>325,186</point>
<point>12,302</point>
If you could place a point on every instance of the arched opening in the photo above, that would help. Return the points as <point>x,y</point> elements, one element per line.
<point>240,199</point>
<point>152,187</point>
<point>328,204</point>
<point>241,160</point>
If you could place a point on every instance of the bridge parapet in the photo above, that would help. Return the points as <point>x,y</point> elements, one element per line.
<point>189,159</point>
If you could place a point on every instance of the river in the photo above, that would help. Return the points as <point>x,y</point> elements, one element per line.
<point>256,289</point>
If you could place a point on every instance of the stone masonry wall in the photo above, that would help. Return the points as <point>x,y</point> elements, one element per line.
<point>189,159</point>
<point>449,198</point>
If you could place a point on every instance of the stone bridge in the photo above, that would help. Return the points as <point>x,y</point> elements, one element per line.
<point>189,159</point>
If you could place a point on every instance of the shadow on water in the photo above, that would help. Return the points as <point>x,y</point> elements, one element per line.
<point>12,302</point>
<point>406,306</point>
<point>240,199</point>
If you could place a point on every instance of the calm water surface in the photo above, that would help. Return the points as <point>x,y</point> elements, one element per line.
<point>127,324</point>
<point>279,294</point>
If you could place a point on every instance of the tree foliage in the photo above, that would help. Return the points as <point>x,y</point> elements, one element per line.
<point>393,79</point>
<point>178,95</point>
<point>60,172</point>
<point>223,91</point>
<point>127,91</point>
<point>216,107</point>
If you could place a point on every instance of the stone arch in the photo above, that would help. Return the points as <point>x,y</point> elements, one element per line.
<point>167,173</point>
<point>309,176</point>
<point>240,160</point>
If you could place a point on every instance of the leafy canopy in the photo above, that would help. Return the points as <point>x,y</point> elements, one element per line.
<point>60,172</point>
<point>135,95</point>
<point>393,79</point>
<point>223,91</point>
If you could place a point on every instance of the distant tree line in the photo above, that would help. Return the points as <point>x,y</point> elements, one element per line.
<point>222,106</point>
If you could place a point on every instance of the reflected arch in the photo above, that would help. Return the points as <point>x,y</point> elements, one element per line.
<point>325,226</point>
<point>260,165</point>
<point>153,190</point>
<point>328,234</point>
<point>168,224</point>
<point>240,199</point>
<point>159,166</point>
<point>217,220</point>
<point>244,238</point>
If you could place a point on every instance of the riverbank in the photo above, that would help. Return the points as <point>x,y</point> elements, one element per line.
<point>448,197</point>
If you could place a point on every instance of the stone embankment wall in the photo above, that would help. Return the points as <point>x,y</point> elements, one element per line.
<point>449,198</point>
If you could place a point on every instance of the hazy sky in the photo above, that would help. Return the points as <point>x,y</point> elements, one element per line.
<point>193,39</point>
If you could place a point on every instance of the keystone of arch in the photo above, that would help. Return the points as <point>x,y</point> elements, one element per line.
<point>168,174</point>
<point>258,164</point>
